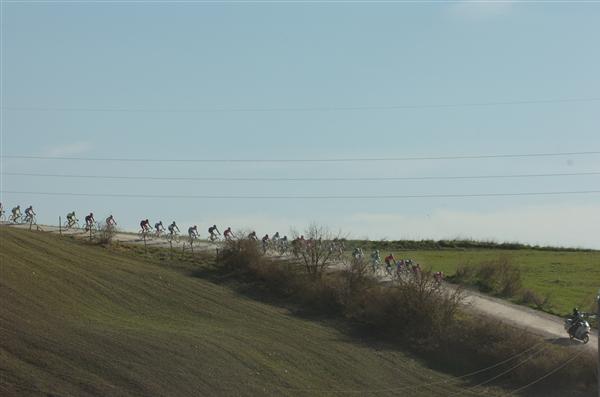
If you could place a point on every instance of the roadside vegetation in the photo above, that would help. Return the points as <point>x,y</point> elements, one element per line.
<point>415,313</point>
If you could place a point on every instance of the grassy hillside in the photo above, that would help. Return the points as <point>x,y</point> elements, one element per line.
<point>85,320</point>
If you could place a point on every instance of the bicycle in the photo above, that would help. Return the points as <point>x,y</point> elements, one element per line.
<point>92,227</point>
<point>172,237</point>
<point>16,219</point>
<point>72,224</point>
<point>144,234</point>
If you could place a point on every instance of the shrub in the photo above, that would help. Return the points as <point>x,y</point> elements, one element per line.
<point>240,255</point>
<point>415,307</point>
<point>316,250</point>
<point>530,297</point>
<point>497,276</point>
<point>105,234</point>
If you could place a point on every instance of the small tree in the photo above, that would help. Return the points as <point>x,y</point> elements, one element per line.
<point>316,251</point>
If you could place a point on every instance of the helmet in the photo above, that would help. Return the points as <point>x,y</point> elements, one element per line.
<point>214,226</point>
<point>147,220</point>
<point>18,206</point>
<point>91,214</point>
<point>174,222</point>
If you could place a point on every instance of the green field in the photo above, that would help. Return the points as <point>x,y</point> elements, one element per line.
<point>569,278</point>
<point>78,319</point>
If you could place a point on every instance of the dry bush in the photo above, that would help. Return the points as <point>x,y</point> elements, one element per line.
<point>240,254</point>
<point>315,253</point>
<point>499,276</point>
<point>356,276</point>
<point>105,234</point>
<point>530,297</point>
<point>415,306</point>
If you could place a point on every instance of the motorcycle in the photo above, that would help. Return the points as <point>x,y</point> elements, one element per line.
<point>581,332</point>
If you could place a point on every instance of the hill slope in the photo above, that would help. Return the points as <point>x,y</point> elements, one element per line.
<point>83,320</point>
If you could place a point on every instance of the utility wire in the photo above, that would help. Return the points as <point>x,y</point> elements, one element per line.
<point>300,179</point>
<point>322,160</point>
<point>546,375</point>
<point>456,379</point>
<point>307,197</point>
<point>296,109</point>
<point>510,369</point>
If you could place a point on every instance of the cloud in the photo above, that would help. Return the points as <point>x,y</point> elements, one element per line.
<point>68,149</point>
<point>567,226</point>
<point>573,226</point>
<point>476,10</point>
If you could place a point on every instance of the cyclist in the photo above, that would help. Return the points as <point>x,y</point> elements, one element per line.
<point>1,210</point>
<point>71,219</point>
<point>228,234</point>
<point>265,242</point>
<point>145,225</point>
<point>389,260</point>
<point>16,212</point>
<point>252,236</point>
<point>211,231</point>
<point>275,237</point>
<point>159,228</point>
<point>89,220</point>
<point>416,268</point>
<point>172,228</point>
<point>29,213</point>
<point>376,259</point>
<point>110,221</point>
<point>357,253</point>
<point>193,232</point>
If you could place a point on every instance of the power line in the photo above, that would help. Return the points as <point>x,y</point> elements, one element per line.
<point>547,374</point>
<point>322,160</point>
<point>300,179</point>
<point>510,369</point>
<point>306,197</point>
<point>297,109</point>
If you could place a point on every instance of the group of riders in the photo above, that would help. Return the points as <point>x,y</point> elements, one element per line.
<point>17,217</point>
<point>393,266</point>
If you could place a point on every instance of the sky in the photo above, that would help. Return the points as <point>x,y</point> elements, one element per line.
<point>289,81</point>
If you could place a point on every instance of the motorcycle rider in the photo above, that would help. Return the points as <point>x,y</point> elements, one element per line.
<point>576,319</point>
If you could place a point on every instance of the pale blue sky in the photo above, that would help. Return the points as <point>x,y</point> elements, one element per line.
<point>268,56</point>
